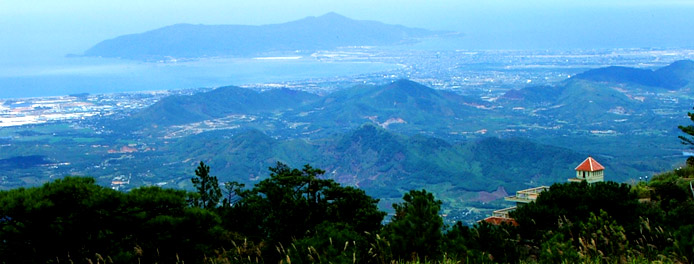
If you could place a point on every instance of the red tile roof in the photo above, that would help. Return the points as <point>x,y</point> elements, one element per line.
<point>495,220</point>
<point>590,165</point>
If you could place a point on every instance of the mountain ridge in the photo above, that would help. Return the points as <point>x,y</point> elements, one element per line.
<point>305,35</point>
<point>398,103</point>
<point>674,76</point>
<point>603,94</point>
<point>404,102</point>
<point>379,160</point>
<point>217,103</point>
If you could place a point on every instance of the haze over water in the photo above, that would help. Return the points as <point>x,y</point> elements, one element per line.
<point>36,36</point>
<point>62,76</point>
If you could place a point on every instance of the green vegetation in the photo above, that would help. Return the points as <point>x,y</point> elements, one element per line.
<point>689,130</point>
<point>385,139</point>
<point>377,160</point>
<point>207,187</point>
<point>297,216</point>
<point>673,76</point>
<point>218,103</point>
<point>384,163</point>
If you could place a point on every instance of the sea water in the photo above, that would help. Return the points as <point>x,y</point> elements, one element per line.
<point>51,76</point>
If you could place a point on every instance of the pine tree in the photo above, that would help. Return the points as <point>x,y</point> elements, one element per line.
<point>415,232</point>
<point>689,130</point>
<point>207,187</point>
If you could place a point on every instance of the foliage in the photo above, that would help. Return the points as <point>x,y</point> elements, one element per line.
<point>499,243</point>
<point>601,237</point>
<point>602,222</point>
<point>74,219</point>
<point>207,187</point>
<point>331,243</point>
<point>454,241</point>
<point>293,203</point>
<point>684,237</point>
<point>415,230</point>
<point>297,216</point>
<point>69,217</point>
<point>687,139</point>
<point>558,249</point>
<point>575,202</point>
<point>654,241</point>
<point>232,190</point>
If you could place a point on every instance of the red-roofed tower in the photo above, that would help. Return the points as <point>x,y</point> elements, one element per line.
<point>589,170</point>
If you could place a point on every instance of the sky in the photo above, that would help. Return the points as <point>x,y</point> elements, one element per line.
<point>36,28</point>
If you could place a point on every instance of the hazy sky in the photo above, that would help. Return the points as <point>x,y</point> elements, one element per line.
<point>57,27</point>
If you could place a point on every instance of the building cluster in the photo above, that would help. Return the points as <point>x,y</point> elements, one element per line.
<point>41,110</point>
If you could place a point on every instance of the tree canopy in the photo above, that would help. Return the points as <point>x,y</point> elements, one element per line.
<point>298,216</point>
<point>415,231</point>
<point>687,139</point>
<point>207,187</point>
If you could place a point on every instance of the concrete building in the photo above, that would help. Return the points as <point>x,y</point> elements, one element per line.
<point>590,171</point>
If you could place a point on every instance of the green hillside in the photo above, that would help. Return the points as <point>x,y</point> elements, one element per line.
<point>384,163</point>
<point>403,105</point>
<point>220,102</point>
<point>583,102</point>
<point>242,155</point>
<point>672,77</point>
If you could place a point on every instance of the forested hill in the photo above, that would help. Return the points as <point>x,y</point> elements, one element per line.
<point>386,163</point>
<point>306,35</point>
<point>674,76</point>
<point>299,127</point>
<point>220,102</point>
<point>608,94</point>
<point>401,103</point>
<point>677,75</point>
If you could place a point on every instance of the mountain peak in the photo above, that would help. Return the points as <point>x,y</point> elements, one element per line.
<point>333,15</point>
<point>410,88</point>
<point>330,19</point>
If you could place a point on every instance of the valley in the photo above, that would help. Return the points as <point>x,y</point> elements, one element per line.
<point>471,141</point>
<point>347,132</point>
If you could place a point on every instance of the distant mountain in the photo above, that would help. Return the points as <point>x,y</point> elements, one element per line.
<point>674,76</point>
<point>680,73</point>
<point>401,103</point>
<point>306,35</point>
<point>585,102</point>
<point>220,102</point>
<point>598,95</point>
<point>578,101</point>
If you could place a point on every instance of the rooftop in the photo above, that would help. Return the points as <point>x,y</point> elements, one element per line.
<point>500,220</point>
<point>590,164</point>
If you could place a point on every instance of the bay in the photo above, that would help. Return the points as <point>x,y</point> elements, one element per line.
<point>52,76</point>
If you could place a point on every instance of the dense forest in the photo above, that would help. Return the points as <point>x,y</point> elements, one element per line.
<point>296,216</point>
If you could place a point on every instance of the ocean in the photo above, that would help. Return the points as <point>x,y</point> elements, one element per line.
<point>52,76</point>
